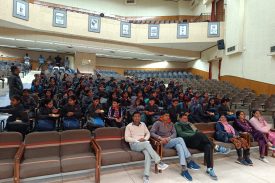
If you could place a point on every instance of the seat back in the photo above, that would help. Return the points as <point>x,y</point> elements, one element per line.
<point>42,144</point>
<point>108,138</point>
<point>75,142</point>
<point>9,144</point>
<point>208,129</point>
<point>123,142</point>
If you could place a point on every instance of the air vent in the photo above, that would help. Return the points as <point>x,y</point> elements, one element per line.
<point>272,49</point>
<point>232,48</point>
<point>130,2</point>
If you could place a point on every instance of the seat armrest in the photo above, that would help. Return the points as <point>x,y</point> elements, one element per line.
<point>17,160</point>
<point>272,129</point>
<point>98,151</point>
<point>157,145</point>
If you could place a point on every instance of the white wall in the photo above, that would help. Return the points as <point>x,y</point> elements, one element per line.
<point>142,8</point>
<point>256,37</point>
<point>199,64</point>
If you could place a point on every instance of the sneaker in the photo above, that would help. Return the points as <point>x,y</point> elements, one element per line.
<point>146,179</point>
<point>186,175</point>
<point>162,166</point>
<point>242,162</point>
<point>223,150</point>
<point>193,165</point>
<point>271,148</point>
<point>263,159</point>
<point>211,173</point>
<point>249,162</point>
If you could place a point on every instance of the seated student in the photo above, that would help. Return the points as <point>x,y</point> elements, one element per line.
<point>71,113</point>
<point>197,113</point>
<point>260,124</point>
<point>87,99</point>
<point>16,109</point>
<point>46,120</point>
<point>95,114</point>
<point>165,131</point>
<point>224,110</point>
<point>28,102</point>
<point>125,101</point>
<point>137,134</point>
<point>212,110</point>
<point>48,96</point>
<point>151,111</point>
<point>115,115</point>
<point>197,140</point>
<point>175,110</point>
<point>226,133</point>
<point>243,125</point>
<point>37,88</point>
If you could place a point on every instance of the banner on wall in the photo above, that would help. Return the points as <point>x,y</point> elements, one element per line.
<point>153,31</point>
<point>59,18</point>
<point>21,9</point>
<point>125,29</point>
<point>94,24</point>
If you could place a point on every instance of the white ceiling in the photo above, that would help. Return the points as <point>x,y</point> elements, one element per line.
<point>100,50</point>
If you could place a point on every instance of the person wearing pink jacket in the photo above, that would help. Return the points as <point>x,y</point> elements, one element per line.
<point>260,124</point>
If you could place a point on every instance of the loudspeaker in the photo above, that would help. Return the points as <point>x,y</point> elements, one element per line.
<point>220,44</point>
<point>101,15</point>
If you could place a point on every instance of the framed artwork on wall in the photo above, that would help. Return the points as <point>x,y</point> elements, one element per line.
<point>59,18</point>
<point>183,30</point>
<point>94,24</point>
<point>213,29</point>
<point>153,31</point>
<point>20,9</point>
<point>125,29</point>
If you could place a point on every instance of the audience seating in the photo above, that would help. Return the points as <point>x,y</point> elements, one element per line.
<point>113,148</point>
<point>9,146</point>
<point>54,153</point>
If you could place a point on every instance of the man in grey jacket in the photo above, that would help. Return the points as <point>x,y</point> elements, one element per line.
<point>165,131</point>
<point>15,83</point>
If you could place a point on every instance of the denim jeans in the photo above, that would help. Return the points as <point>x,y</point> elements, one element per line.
<point>179,144</point>
<point>70,123</point>
<point>148,152</point>
<point>45,125</point>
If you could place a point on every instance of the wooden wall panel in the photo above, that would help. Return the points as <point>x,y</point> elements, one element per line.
<point>204,74</point>
<point>258,87</point>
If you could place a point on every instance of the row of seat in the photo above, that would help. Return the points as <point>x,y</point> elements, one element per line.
<point>161,74</point>
<point>55,153</point>
<point>108,73</point>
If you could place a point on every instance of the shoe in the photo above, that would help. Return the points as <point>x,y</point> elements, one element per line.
<point>271,148</point>
<point>162,166</point>
<point>146,179</point>
<point>249,162</point>
<point>193,165</point>
<point>242,162</point>
<point>223,150</point>
<point>211,173</point>
<point>186,175</point>
<point>263,159</point>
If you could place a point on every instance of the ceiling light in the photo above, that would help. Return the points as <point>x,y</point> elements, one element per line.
<point>48,49</point>
<point>33,48</point>
<point>7,38</point>
<point>24,40</point>
<point>9,46</point>
<point>80,46</point>
<point>61,44</point>
<point>44,42</point>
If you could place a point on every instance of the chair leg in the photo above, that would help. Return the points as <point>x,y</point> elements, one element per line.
<point>156,168</point>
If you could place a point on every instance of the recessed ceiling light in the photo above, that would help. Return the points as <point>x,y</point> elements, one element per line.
<point>24,40</point>
<point>7,38</point>
<point>33,48</point>
<point>9,46</point>
<point>48,49</point>
<point>44,42</point>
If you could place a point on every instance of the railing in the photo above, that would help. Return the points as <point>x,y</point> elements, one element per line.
<point>136,20</point>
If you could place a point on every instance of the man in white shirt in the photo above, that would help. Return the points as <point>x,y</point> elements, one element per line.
<point>27,60</point>
<point>137,134</point>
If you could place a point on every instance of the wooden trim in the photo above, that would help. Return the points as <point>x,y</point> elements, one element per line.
<point>98,151</point>
<point>257,86</point>
<point>17,160</point>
